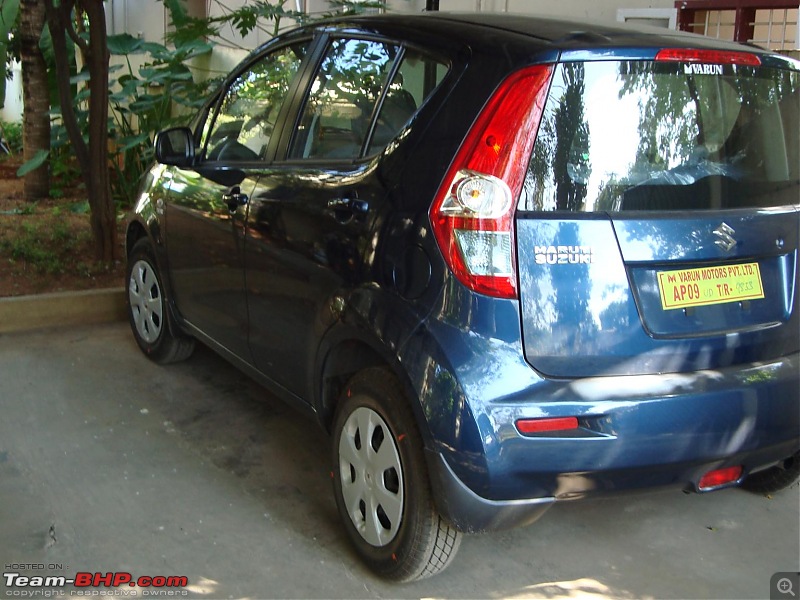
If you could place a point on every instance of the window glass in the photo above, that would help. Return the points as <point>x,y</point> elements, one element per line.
<point>415,80</point>
<point>339,108</point>
<point>243,125</point>
<point>657,136</point>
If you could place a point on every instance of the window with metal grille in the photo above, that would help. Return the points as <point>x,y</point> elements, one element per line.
<point>772,24</point>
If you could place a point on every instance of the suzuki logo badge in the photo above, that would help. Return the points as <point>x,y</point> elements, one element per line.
<point>726,240</point>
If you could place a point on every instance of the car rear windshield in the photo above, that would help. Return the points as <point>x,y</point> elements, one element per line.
<point>640,135</point>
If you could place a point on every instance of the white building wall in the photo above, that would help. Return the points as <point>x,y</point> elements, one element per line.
<point>593,10</point>
<point>140,18</point>
<point>12,109</point>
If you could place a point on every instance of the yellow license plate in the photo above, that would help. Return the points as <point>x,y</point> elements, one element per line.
<point>710,285</point>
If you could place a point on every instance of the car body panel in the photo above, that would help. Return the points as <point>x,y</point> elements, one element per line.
<point>307,246</point>
<point>205,248</point>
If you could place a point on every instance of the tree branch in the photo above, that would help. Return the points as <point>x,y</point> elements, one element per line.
<point>55,21</point>
<point>70,28</point>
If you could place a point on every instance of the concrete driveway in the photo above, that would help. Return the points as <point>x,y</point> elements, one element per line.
<point>109,463</point>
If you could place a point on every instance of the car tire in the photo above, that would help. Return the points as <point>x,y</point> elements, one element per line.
<point>775,478</point>
<point>148,311</point>
<point>382,488</point>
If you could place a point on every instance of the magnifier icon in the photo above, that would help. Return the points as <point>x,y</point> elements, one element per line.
<point>785,587</point>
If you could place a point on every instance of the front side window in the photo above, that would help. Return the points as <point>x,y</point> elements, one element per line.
<point>244,123</point>
<point>337,114</point>
<point>639,135</point>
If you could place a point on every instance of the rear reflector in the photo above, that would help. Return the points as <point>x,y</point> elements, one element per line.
<point>527,426</point>
<point>713,57</point>
<point>718,478</point>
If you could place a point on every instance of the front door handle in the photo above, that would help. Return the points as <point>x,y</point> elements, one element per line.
<point>344,209</point>
<point>235,198</point>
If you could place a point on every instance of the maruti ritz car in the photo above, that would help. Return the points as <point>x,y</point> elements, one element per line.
<point>504,261</point>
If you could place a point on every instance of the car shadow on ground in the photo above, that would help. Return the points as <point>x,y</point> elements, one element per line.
<point>241,428</point>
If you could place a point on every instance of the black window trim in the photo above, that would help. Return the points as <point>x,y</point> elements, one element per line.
<point>328,35</point>
<point>324,42</point>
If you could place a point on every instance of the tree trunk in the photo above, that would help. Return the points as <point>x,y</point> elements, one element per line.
<point>92,158</point>
<point>104,216</point>
<point>35,97</point>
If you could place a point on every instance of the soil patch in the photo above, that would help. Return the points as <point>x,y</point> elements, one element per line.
<point>47,246</point>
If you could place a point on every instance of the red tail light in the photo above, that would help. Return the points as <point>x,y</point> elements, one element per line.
<point>472,216</point>
<point>714,57</point>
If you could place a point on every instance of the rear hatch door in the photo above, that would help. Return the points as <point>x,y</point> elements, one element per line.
<point>658,228</point>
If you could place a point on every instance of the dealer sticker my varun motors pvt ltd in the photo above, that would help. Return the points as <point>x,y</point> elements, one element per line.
<point>709,285</point>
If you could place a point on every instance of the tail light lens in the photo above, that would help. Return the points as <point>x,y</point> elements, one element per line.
<point>473,214</point>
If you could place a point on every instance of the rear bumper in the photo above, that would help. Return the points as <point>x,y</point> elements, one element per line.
<point>469,512</point>
<point>636,433</point>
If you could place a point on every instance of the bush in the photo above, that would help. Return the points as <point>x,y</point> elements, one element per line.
<point>12,135</point>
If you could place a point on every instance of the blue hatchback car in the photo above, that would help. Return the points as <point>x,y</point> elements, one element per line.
<point>503,261</point>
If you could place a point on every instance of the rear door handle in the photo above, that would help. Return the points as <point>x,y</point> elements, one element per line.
<point>235,198</point>
<point>345,209</point>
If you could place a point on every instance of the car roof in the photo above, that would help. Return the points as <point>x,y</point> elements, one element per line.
<point>550,33</point>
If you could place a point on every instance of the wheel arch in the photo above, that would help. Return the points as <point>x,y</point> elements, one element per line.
<point>342,355</point>
<point>345,352</point>
<point>137,230</point>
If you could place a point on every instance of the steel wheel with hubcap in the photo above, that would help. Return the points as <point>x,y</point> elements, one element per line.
<point>381,482</point>
<point>146,302</point>
<point>147,309</point>
<point>372,476</point>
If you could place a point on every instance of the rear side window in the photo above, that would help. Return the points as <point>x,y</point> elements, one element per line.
<point>365,92</point>
<point>639,135</point>
<point>336,117</point>
<point>416,79</point>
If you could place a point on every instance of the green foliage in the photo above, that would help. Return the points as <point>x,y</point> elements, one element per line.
<point>143,103</point>
<point>79,208</point>
<point>34,163</point>
<point>12,133</point>
<point>185,27</point>
<point>157,94</point>
<point>254,13</point>
<point>34,246</point>
<point>64,170</point>
<point>248,18</point>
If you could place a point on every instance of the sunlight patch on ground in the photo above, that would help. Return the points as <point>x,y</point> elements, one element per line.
<point>203,586</point>
<point>578,588</point>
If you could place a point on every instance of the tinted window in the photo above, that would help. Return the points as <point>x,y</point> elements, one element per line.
<point>246,117</point>
<point>415,80</point>
<point>337,114</point>
<point>655,136</point>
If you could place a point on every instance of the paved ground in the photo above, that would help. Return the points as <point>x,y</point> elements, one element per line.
<point>111,463</point>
